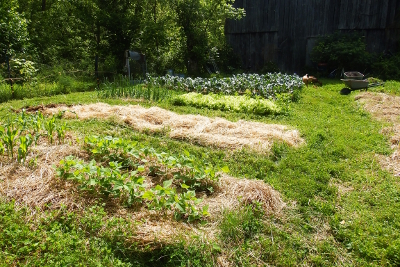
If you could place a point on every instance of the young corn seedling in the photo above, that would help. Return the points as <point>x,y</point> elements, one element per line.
<point>61,130</point>
<point>22,120</point>
<point>9,139</point>
<point>25,142</point>
<point>1,140</point>
<point>50,126</point>
<point>37,122</point>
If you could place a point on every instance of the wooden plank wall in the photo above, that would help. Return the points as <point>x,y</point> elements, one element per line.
<point>284,31</point>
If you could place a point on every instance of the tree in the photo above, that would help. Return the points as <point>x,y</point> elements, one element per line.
<point>13,28</point>
<point>202,23</point>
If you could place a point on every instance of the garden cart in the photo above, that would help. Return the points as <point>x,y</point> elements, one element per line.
<point>355,81</point>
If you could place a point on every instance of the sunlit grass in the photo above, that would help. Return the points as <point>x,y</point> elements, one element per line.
<point>342,208</point>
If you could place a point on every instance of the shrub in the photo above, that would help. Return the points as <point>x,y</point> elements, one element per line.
<point>342,50</point>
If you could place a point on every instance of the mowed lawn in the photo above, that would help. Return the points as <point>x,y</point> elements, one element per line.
<point>342,207</point>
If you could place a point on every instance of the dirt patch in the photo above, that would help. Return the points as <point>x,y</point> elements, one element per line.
<point>385,108</point>
<point>38,187</point>
<point>40,107</point>
<point>216,132</point>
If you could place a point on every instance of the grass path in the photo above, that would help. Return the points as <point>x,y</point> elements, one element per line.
<point>343,209</point>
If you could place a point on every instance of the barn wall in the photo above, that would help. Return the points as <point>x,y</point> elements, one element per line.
<point>284,31</point>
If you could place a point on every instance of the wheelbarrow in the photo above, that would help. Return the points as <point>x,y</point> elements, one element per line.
<point>355,81</point>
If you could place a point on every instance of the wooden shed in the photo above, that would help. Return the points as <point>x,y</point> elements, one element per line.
<point>285,31</point>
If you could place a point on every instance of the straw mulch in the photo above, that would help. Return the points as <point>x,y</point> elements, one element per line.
<point>39,188</point>
<point>386,108</point>
<point>216,132</point>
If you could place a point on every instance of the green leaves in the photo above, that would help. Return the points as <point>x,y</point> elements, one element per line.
<point>8,139</point>
<point>25,130</point>
<point>130,164</point>
<point>243,104</point>
<point>266,86</point>
<point>25,142</point>
<point>50,126</point>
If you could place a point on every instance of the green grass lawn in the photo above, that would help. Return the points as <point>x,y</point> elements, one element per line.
<point>342,208</point>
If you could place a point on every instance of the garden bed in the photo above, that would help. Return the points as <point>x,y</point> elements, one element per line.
<point>216,132</point>
<point>37,187</point>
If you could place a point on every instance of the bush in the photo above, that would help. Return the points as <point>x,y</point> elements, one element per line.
<point>342,50</point>
<point>387,67</point>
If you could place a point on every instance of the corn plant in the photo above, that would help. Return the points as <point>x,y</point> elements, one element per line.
<point>37,124</point>
<point>50,126</point>
<point>23,120</point>
<point>1,148</point>
<point>1,140</point>
<point>61,130</point>
<point>9,139</point>
<point>25,142</point>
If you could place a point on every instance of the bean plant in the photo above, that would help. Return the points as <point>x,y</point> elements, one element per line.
<point>119,168</point>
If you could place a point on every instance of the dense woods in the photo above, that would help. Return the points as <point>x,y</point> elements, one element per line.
<point>70,35</point>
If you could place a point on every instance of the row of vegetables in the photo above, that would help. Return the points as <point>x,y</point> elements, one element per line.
<point>249,93</point>
<point>132,172</point>
<point>265,85</point>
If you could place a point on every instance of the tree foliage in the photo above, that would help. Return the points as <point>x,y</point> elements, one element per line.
<point>178,34</point>
<point>13,28</point>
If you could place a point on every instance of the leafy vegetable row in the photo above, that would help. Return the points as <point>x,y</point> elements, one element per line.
<point>230,103</point>
<point>268,86</point>
<point>137,173</point>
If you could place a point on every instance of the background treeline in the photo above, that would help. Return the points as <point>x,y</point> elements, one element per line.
<point>55,36</point>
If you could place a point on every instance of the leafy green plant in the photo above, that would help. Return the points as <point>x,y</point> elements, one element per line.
<point>129,162</point>
<point>23,120</point>
<point>50,126</point>
<point>9,139</point>
<point>244,104</point>
<point>131,154</point>
<point>25,142</point>
<point>112,182</point>
<point>265,85</point>
<point>37,124</point>
<point>2,148</point>
<point>61,130</point>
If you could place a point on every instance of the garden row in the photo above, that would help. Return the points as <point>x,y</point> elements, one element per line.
<point>126,170</point>
<point>21,133</point>
<point>248,93</point>
<point>136,173</point>
<point>268,85</point>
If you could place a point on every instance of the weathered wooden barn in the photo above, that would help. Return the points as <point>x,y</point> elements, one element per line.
<point>284,31</point>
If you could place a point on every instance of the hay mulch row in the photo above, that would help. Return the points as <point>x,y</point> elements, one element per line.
<point>38,188</point>
<point>386,108</point>
<point>216,132</point>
